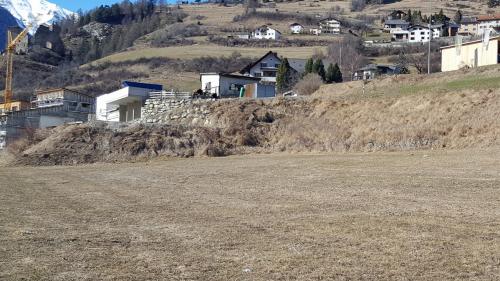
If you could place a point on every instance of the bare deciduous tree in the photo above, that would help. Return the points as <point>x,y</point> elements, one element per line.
<point>348,54</point>
<point>419,59</point>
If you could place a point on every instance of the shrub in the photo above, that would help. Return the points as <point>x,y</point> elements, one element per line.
<point>309,84</point>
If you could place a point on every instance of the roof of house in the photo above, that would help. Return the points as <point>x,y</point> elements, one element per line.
<point>468,20</point>
<point>426,26</point>
<point>397,21</point>
<point>48,91</point>
<point>298,64</point>
<point>470,42</point>
<point>250,66</point>
<point>296,24</point>
<point>418,25</point>
<point>489,17</point>
<point>330,19</point>
<point>142,85</point>
<point>453,25</point>
<point>373,66</point>
<point>267,27</point>
<point>397,12</point>
<point>223,74</point>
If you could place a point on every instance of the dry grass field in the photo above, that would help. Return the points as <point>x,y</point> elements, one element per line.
<point>431,215</point>
<point>216,15</point>
<point>196,51</point>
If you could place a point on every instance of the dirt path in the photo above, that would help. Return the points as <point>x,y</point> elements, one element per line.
<point>380,216</point>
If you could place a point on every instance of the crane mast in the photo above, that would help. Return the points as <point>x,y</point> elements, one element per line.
<point>11,47</point>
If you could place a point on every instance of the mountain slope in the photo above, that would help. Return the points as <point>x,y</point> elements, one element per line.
<point>36,12</point>
<point>6,21</point>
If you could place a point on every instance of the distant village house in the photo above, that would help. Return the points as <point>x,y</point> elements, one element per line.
<point>468,26</point>
<point>416,33</point>
<point>395,25</point>
<point>489,22</point>
<point>266,68</point>
<point>373,71</point>
<point>329,26</point>
<point>267,33</point>
<point>296,28</point>
<point>226,85</point>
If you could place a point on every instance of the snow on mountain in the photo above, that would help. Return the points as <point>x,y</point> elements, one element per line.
<point>36,12</point>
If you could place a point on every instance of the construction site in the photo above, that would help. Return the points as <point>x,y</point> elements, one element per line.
<point>49,108</point>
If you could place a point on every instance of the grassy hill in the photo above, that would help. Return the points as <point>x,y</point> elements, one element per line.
<point>462,81</point>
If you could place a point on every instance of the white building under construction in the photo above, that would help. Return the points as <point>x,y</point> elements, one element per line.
<point>49,108</point>
<point>125,104</point>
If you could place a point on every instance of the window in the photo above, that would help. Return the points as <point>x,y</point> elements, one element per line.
<point>269,74</point>
<point>73,103</point>
<point>235,87</point>
<point>277,65</point>
<point>257,74</point>
<point>85,105</point>
<point>263,64</point>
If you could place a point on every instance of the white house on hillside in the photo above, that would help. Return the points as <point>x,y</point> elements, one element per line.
<point>125,104</point>
<point>296,28</point>
<point>488,22</point>
<point>373,71</point>
<point>266,32</point>
<point>468,26</point>
<point>266,68</point>
<point>225,85</point>
<point>329,26</point>
<point>395,24</point>
<point>416,34</point>
<point>421,33</point>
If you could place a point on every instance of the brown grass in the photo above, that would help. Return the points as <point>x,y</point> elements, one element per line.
<point>201,50</point>
<point>378,216</point>
<point>432,121</point>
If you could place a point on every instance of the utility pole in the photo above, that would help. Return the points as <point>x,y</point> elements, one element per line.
<point>430,39</point>
<point>340,56</point>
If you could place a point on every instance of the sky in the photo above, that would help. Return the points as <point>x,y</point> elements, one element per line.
<point>74,5</point>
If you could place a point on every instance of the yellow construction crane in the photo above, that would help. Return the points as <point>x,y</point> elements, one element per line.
<point>11,47</point>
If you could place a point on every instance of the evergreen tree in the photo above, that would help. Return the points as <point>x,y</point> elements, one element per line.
<point>440,17</point>
<point>493,3</point>
<point>283,76</point>
<point>309,66</point>
<point>458,17</point>
<point>415,17</point>
<point>330,74</point>
<point>408,16</point>
<point>337,77</point>
<point>319,68</point>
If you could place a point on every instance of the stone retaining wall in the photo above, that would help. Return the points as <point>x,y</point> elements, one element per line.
<point>186,111</point>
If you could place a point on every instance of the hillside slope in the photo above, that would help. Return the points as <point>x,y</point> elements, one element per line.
<point>458,116</point>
